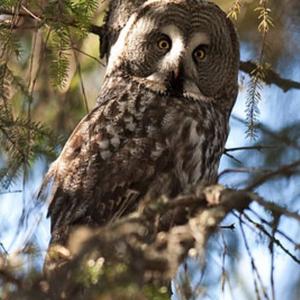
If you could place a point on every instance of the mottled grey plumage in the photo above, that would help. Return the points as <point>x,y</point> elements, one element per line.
<point>161,120</point>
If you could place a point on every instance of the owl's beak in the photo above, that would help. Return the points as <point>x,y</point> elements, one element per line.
<point>175,73</point>
<point>176,80</point>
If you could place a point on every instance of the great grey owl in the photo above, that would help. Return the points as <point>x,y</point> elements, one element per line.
<point>161,120</point>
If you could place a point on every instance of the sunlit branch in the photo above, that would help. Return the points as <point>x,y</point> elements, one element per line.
<point>8,277</point>
<point>88,55</point>
<point>95,29</point>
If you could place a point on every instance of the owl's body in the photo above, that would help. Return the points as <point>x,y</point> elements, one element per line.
<point>161,121</point>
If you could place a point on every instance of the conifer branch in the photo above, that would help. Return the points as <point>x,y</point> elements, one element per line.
<point>271,77</point>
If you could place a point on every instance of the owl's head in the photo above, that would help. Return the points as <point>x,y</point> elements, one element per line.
<point>185,48</point>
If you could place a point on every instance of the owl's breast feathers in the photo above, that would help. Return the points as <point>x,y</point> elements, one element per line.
<point>133,145</point>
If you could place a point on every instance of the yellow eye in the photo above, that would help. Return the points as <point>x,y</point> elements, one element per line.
<point>200,54</point>
<point>164,44</point>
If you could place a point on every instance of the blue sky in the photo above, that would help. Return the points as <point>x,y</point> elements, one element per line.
<point>277,110</point>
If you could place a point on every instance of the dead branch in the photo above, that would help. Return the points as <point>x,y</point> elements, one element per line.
<point>143,248</point>
<point>151,242</point>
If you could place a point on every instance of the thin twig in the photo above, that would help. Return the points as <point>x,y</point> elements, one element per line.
<point>233,158</point>
<point>276,219</point>
<point>275,240</point>
<point>35,17</point>
<point>223,276</point>
<point>285,170</point>
<point>10,192</point>
<point>88,55</point>
<point>264,221</point>
<point>95,29</point>
<point>242,170</point>
<point>81,82</point>
<point>253,265</point>
<point>3,248</point>
<point>257,147</point>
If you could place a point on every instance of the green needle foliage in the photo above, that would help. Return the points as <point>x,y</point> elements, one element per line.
<point>63,23</point>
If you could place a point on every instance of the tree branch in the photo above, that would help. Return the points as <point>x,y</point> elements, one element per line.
<point>285,170</point>
<point>271,77</point>
<point>141,249</point>
<point>151,242</point>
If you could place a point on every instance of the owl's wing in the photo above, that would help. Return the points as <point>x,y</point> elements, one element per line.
<point>101,173</point>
